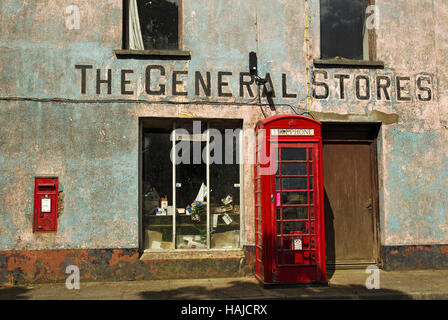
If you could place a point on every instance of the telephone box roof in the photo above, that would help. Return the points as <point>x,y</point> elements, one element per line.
<point>283,117</point>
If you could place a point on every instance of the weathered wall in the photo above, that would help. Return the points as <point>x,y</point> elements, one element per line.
<point>48,126</point>
<point>29,266</point>
<point>93,148</point>
<point>415,155</point>
<point>412,153</point>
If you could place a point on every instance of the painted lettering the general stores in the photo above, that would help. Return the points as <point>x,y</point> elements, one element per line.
<point>157,81</point>
<point>365,87</point>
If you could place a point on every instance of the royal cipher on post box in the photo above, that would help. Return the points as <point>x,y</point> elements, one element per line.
<point>289,216</point>
<point>45,204</point>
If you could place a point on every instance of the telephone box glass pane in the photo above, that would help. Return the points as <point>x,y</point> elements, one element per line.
<point>294,226</point>
<point>291,213</point>
<point>291,168</point>
<point>294,183</point>
<point>293,154</point>
<point>294,198</point>
<point>157,190</point>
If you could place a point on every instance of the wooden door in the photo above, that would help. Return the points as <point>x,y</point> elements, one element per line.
<point>350,203</point>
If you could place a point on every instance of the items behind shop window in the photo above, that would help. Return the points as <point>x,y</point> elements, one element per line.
<point>198,214</point>
<point>225,240</point>
<point>154,240</point>
<point>223,233</point>
<point>190,242</point>
<point>202,193</point>
<point>164,202</point>
<point>222,236</point>
<point>225,210</point>
<point>164,209</point>
<point>150,200</point>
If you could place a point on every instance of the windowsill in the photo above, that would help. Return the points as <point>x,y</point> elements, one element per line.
<point>186,254</point>
<point>347,63</point>
<point>153,54</point>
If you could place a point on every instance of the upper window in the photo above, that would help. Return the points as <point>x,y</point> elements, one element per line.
<point>151,25</point>
<point>342,29</point>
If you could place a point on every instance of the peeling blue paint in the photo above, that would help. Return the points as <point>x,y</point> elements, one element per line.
<point>418,179</point>
<point>93,148</point>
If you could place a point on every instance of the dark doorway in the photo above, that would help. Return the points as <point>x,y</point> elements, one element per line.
<point>351,194</point>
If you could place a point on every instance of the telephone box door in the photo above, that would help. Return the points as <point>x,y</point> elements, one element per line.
<point>297,244</point>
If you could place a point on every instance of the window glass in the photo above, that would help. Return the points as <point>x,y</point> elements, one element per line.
<point>159,21</point>
<point>179,221</point>
<point>225,194</point>
<point>157,190</point>
<point>191,187</point>
<point>342,28</point>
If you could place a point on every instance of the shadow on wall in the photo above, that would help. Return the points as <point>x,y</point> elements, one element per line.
<point>239,290</point>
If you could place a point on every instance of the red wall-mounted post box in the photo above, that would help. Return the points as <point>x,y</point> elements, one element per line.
<point>289,201</point>
<point>45,204</point>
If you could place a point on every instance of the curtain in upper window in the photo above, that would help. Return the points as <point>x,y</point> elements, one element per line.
<point>153,24</point>
<point>135,33</point>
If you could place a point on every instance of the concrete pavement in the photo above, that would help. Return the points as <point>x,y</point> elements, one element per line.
<point>343,284</point>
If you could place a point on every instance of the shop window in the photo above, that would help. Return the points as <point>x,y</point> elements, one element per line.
<point>151,24</point>
<point>343,29</point>
<point>191,184</point>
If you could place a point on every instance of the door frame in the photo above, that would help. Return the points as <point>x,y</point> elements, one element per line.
<point>365,133</point>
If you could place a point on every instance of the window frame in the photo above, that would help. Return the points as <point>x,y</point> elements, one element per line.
<point>125,52</point>
<point>145,125</point>
<point>371,62</point>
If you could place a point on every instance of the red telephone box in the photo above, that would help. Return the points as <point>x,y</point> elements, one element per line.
<point>289,217</point>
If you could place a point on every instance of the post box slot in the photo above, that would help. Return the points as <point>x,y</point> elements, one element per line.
<point>46,187</point>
